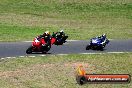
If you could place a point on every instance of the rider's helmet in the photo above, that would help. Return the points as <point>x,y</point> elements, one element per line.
<point>99,37</point>
<point>47,33</point>
<point>61,31</point>
<point>104,35</point>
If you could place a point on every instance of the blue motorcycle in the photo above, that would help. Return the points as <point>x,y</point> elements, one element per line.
<point>97,44</point>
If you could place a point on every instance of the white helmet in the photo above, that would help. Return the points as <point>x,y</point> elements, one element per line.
<point>61,31</point>
<point>104,35</point>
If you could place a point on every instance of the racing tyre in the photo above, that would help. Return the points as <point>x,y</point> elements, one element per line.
<point>87,47</point>
<point>29,50</point>
<point>44,52</point>
<point>45,49</point>
<point>101,48</point>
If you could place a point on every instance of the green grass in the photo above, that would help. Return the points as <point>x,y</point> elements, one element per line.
<point>80,19</point>
<point>59,71</point>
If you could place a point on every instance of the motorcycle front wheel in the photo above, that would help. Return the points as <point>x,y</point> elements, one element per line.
<point>29,50</point>
<point>88,47</point>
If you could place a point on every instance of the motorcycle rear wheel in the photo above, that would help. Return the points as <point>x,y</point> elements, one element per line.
<point>45,49</point>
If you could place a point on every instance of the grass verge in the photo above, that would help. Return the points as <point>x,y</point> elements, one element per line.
<point>23,20</point>
<point>58,71</point>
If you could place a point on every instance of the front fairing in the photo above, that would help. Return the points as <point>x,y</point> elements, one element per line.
<point>95,41</point>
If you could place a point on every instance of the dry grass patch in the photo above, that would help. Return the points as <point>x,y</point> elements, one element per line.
<point>34,21</point>
<point>44,75</point>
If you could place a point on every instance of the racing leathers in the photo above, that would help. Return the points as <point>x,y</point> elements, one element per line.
<point>47,38</point>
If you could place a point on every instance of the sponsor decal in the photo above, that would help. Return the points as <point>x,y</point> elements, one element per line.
<point>82,77</point>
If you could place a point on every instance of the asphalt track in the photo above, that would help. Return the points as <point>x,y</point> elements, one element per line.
<point>14,49</point>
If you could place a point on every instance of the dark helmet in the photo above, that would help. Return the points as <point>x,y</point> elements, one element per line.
<point>99,37</point>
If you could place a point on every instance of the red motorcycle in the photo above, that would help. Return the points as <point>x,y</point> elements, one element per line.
<point>39,45</point>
